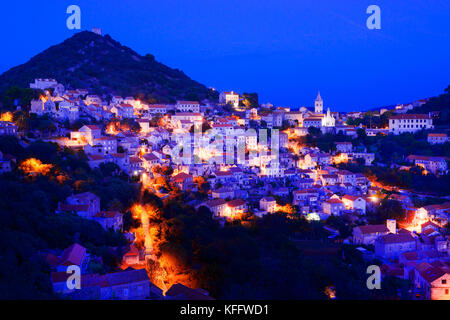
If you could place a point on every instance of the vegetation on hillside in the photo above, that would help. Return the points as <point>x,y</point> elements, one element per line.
<point>104,66</point>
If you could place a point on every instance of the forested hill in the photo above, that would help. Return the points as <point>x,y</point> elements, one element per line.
<point>104,66</point>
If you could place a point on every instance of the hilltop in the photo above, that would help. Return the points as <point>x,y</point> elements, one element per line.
<point>104,66</point>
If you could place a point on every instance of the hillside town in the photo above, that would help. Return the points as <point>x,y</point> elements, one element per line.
<point>241,161</point>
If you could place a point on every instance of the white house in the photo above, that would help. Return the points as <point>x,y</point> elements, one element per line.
<point>354,203</point>
<point>268,204</point>
<point>232,97</point>
<point>188,106</point>
<point>409,123</point>
<point>437,138</point>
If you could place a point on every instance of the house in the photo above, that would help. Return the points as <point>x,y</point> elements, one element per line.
<point>123,110</point>
<point>313,159</point>
<point>131,257</point>
<point>86,133</point>
<point>229,97</point>
<point>305,196</point>
<point>43,84</point>
<point>281,192</point>
<point>104,145</point>
<point>122,160</point>
<point>155,109</point>
<point>329,179</point>
<point>85,204</point>
<point>409,123</point>
<point>294,117</point>
<point>403,199</point>
<point>333,207</point>
<point>436,165</point>
<point>369,233</point>
<point>125,285</point>
<point>430,229</point>
<point>346,176</point>
<point>432,280</point>
<point>109,220</point>
<point>95,160</point>
<point>354,203</point>
<point>268,204</point>
<point>72,255</point>
<point>144,124</point>
<point>136,166</point>
<point>188,116</point>
<point>344,147</point>
<point>368,157</point>
<point>223,193</point>
<point>237,173</point>
<point>149,161</point>
<point>180,292</point>
<point>235,208</point>
<point>439,213</point>
<point>315,122</point>
<point>224,177</point>
<point>188,106</point>
<point>304,183</point>
<point>217,207</point>
<point>392,245</point>
<point>5,163</point>
<point>183,180</point>
<point>92,99</point>
<point>437,138</point>
<point>8,128</point>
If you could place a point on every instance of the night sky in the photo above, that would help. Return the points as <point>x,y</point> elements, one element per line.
<point>284,50</point>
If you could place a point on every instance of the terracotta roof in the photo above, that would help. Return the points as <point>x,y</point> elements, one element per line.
<point>107,214</point>
<point>410,116</point>
<point>430,224</point>
<point>52,260</point>
<point>305,191</point>
<point>179,291</point>
<point>181,177</point>
<point>73,207</point>
<point>432,273</point>
<point>188,102</point>
<point>132,252</point>
<point>124,277</point>
<point>334,201</point>
<point>135,160</point>
<point>396,238</point>
<point>150,157</point>
<point>236,203</point>
<point>440,135</point>
<point>376,228</point>
<point>351,198</point>
<point>347,143</point>
<point>73,255</point>
<point>222,173</point>
<point>92,127</point>
<point>215,203</point>
<point>59,276</point>
<point>95,157</point>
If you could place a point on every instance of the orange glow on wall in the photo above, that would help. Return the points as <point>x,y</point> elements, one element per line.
<point>342,158</point>
<point>7,116</point>
<point>35,166</point>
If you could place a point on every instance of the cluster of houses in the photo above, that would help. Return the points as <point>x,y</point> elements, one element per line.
<point>421,256</point>
<point>247,173</point>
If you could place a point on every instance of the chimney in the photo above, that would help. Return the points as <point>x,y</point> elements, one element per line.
<point>391,224</point>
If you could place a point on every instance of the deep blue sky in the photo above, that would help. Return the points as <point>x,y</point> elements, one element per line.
<point>285,50</point>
